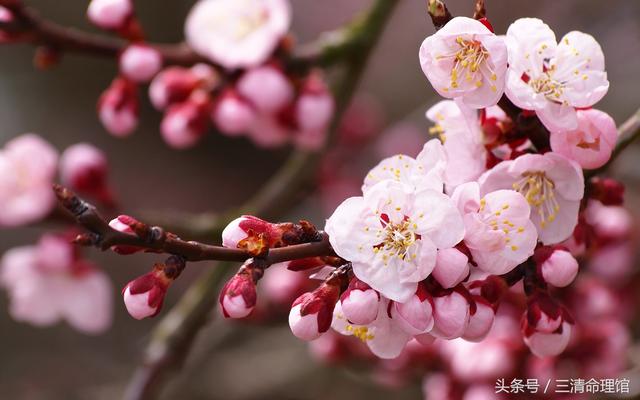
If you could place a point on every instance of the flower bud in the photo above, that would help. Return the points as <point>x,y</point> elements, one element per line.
<point>452,267</point>
<point>6,16</point>
<point>144,295</point>
<point>123,223</point>
<point>232,115</point>
<point>185,123</point>
<point>559,268</point>
<point>548,344</point>
<point>267,88</point>
<point>83,168</point>
<point>480,322</point>
<point>110,14</point>
<point>451,315</point>
<point>314,107</point>
<point>416,315</point>
<point>360,303</point>
<point>543,313</point>
<point>311,313</point>
<point>256,235</point>
<point>175,84</point>
<point>238,296</point>
<point>118,107</point>
<point>140,63</point>
<point>608,191</point>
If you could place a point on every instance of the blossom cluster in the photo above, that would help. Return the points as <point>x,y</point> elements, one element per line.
<point>434,243</point>
<point>241,87</point>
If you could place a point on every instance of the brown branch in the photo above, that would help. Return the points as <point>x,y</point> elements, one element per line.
<point>156,239</point>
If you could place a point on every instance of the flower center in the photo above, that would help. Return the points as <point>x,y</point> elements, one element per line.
<point>497,222</point>
<point>397,238</point>
<point>361,332</point>
<point>547,86</point>
<point>467,62</point>
<point>539,191</point>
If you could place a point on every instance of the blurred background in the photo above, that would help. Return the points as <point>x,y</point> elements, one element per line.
<point>232,361</point>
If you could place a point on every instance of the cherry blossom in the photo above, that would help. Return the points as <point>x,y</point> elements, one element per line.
<point>465,60</point>
<point>144,296</point>
<point>558,267</point>
<point>48,283</point>
<point>84,168</point>
<point>27,169</point>
<point>553,78</point>
<point>552,185</point>
<point>452,267</point>
<point>415,316</point>
<point>391,235</point>
<point>238,296</point>
<point>383,336</point>
<point>184,124</point>
<point>311,314</point>
<point>175,84</point>
<point>266,87</point>
<point>498,231</point>
<point>591,143</point>
<point>237,33</point>
<point>451,315</point>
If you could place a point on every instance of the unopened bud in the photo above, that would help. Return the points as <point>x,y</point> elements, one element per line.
<point>360,303</point>
<point>83,168</point>
<point>232,115</point>
<point>267,88</point>
<point>185,123</point>
<point>118,107</point>
<point>123,223</point>
<point>238,296</point>
<point>311,313</point>
<point>452,267</point>
<point>140,63</point>
<point>110,14</point>
<point>144,296</point>
<point>415,316</point>
<point>558,267</point>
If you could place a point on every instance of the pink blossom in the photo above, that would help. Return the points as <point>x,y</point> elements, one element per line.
<point>424,172</point>
<point>118,107</point>
<point>552,185</point>
<point>452,267</point>
<point>591,143</point>
<point>391,235</point>
<point>465,60</point>
<point>110,14</point>
<point>546,326</point>
<point>610,222</point>
<point>237,33</point>
<point>461,133</point>
<point>498,232</point>
<point>451,315</point>
<point>559,268</point>
<point>84,168</point>
<point>232,114</point>
<point>245,228</point>
<point>360,303</point>
<point>43,291</point>
<point>266,87</point>
<point>553,78</point>
<point>27,168</point>
<point>185,123</point>
<point>140,62</point>
<point>415,316</point>
<point>383,336</point>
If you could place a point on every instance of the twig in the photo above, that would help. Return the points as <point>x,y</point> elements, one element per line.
<point>175,334</point>
<point>158,240</point>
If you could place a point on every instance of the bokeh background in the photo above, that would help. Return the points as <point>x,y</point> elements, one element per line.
<point>231,361</point>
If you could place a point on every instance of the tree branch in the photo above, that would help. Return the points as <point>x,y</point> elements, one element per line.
<point>156,239</point>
